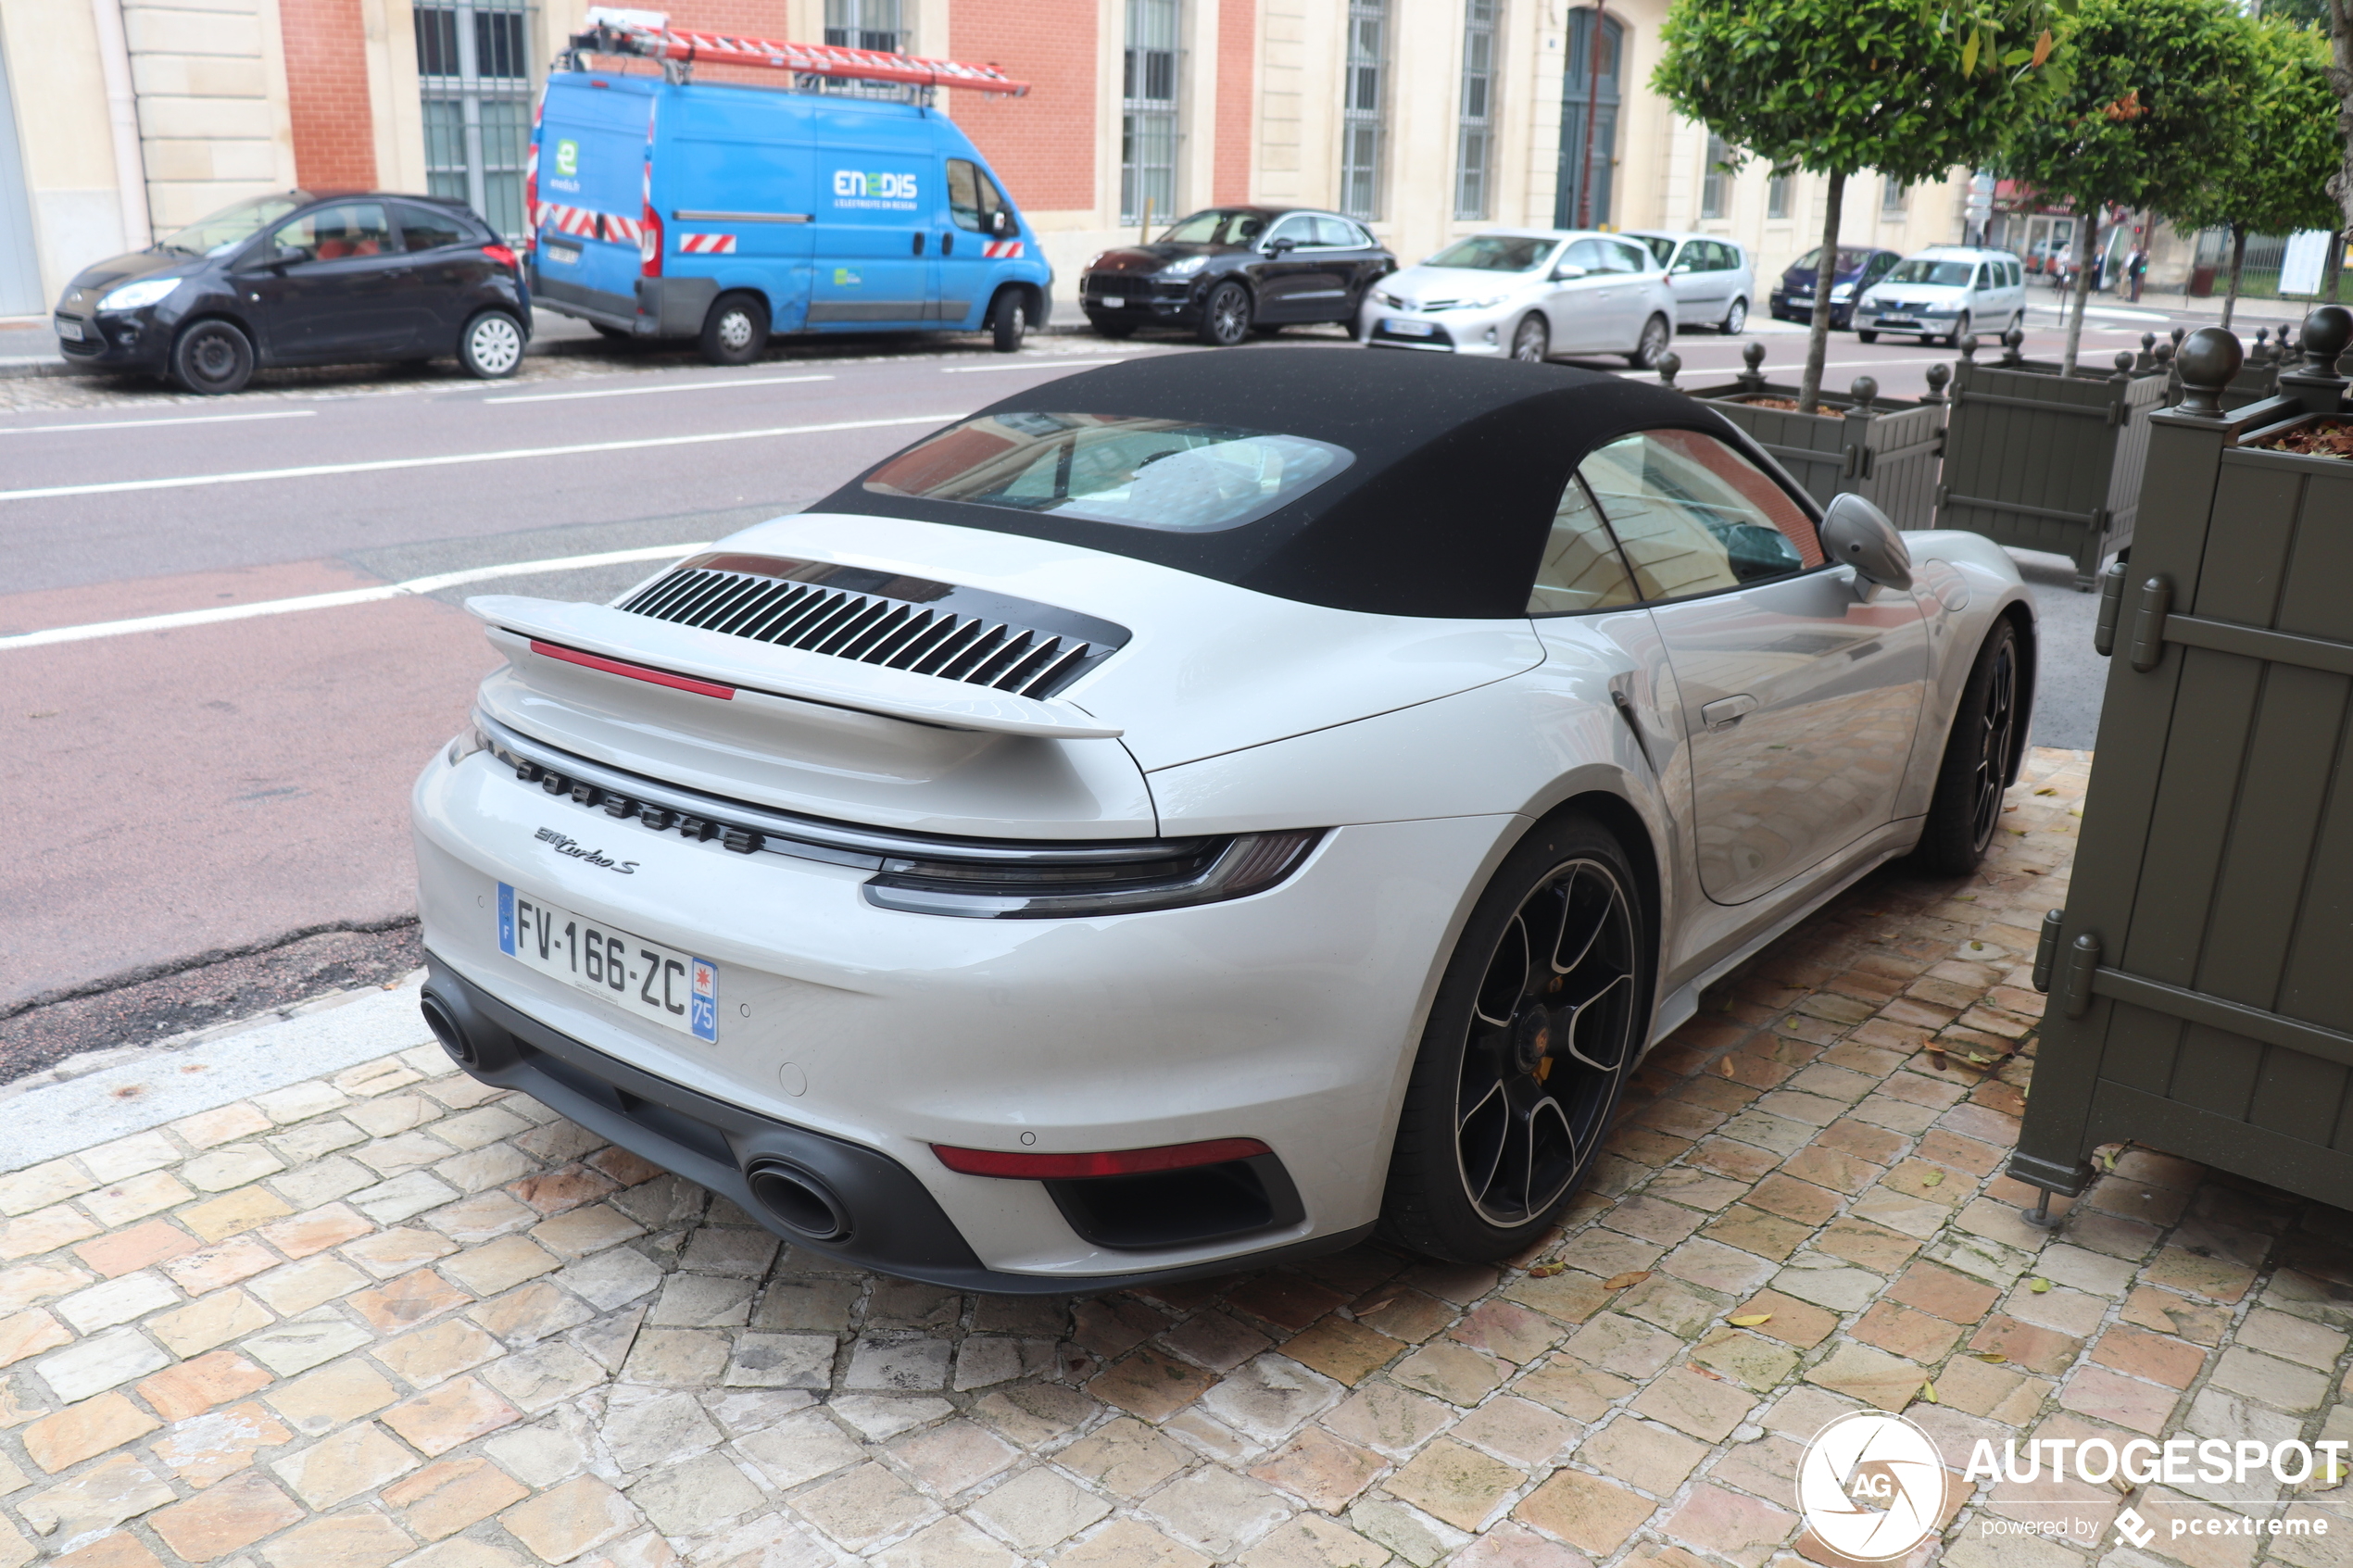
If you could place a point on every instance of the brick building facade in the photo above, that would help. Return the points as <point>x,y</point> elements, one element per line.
<point>1427,118</point>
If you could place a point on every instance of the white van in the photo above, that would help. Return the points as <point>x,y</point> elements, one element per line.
<point>1947,292</point>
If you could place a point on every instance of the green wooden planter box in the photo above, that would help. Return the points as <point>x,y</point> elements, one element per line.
<point>1885,449</point>
<point>2201,975</point>
<point>2047,461</point>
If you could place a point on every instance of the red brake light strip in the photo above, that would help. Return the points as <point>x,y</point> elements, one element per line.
<point>635,671</point>
<point>1022,1166</point>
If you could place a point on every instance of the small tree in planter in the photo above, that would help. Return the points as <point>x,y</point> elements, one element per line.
<point>2151,115</point>
<point>1837,86</point>
<point>2285,156</point>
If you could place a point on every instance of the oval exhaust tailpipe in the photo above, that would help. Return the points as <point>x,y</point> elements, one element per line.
<point>446,1029</point>
<point>804,1203</point>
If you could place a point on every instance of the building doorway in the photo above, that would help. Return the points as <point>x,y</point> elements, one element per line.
<point>474,72</point>
<point>1589,104</point>
<point>20,265</point>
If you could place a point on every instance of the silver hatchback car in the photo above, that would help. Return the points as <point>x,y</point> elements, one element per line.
<point>1713,279</point>
<point>1529,294</point>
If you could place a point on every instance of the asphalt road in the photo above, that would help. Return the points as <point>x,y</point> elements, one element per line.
<point>195,790</point>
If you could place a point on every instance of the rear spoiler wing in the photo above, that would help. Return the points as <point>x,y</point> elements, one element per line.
<point>714,665</point>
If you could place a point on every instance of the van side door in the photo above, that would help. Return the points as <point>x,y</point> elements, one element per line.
<point>980,232</point>
<point>732,181</point>
<point>874,244</point>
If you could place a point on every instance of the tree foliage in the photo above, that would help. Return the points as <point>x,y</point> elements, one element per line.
<point>1912,88</point>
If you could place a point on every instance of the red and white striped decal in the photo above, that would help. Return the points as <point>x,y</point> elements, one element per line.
<point>1000,248</point>
<point>706,244</point>
<point>582,221</point>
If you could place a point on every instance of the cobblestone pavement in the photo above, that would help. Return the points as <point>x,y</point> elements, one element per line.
<point>392,1316</point>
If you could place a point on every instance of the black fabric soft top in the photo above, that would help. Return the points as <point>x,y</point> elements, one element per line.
<point>1459,464</point>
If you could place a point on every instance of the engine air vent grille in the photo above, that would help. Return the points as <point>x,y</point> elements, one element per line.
<point>896,621</point>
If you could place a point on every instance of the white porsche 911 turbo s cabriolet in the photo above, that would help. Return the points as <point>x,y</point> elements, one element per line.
<point>1198,810</point>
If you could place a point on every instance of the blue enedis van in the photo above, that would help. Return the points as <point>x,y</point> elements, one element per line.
<point>701,210</point>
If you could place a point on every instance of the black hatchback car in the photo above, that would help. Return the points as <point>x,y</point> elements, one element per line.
<point>303,278</point>
<point>1858,267</point>
<point>1227,271</point>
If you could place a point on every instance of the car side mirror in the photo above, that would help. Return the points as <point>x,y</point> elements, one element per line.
<point>1000,224</point>
<point>287,255</point>
<point>1276,246</point>
<point>1856,533</point>
<point>1568,273</point>
<point>1681,267</point>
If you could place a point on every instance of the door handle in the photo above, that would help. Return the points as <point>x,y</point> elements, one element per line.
<point>948,244</point>
<point>919,243</point>
<point>1725,713</point>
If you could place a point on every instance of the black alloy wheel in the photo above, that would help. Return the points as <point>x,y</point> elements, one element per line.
<point>212,359</point>
<point>1532,340</point>
<point>1966,808</point>
<point>1651,345</point>
<point>1537,1024</point>
<point>1225,315</point>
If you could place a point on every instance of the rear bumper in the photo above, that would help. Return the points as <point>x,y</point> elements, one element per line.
<point>659,308</point>
<point>897,1227</point>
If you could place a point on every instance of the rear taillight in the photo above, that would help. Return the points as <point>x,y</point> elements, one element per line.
<point>1025,1166</point>
<point>649,244</point>
<point>501,254</point>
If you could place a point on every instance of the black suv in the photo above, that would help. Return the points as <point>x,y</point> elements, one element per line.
<point>303,278</point>
<point>1227,271</point>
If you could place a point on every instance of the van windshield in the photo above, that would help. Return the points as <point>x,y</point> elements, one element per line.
<point>1218,226</point>
<point>1494,253</point>
<point>1161,474</point>
<point>1937,274</point>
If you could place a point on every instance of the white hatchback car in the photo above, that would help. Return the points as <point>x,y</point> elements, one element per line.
<point>1196,810</point>
<point>1528,293</point>
<point>1712,279</point>
<point>1947,292</point>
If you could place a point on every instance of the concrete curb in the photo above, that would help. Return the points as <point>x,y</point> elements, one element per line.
<point>102,1095</point>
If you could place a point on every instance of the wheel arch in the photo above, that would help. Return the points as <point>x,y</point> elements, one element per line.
<point>187,324</point>
<point>2029,657</point>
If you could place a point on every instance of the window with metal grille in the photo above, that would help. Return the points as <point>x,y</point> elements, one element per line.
<point>1777,188</point>
<point>866,24</point>
<point>1891,198</point>
<point>1715,180</point>
<point>474,74</point>
<point>1475,154</point>
<point>1364,128</point>
<point>1147,115</point>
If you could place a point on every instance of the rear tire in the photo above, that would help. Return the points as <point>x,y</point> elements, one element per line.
<point>1656,335</point>
<point>1008,320</point>
<point>1532,340</point>
<point>1525,1057</point>
<point>735,332</point>
<point>1966,808</point>
<point>1864,335</point>
<point>491,346</point>
<point>1225,316</point>
<point>1734,318</point>
<point>212,359</point>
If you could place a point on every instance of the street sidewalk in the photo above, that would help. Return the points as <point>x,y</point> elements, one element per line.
<point>303,1297</point>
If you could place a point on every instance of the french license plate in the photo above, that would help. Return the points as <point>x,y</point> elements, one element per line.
<point>660,984</point>
<point>1410,329</point>
<point>565,253</point>
<point>1115,302</point>
<point>69,331</point>
<point>1897,321</point>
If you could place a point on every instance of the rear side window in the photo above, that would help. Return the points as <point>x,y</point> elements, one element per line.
<point>1582,569</point>
<point>1338,232</point>
<point>1695,517</point>
<point>1145,472</point>
<point>972,196</point>
<point>424,229</point>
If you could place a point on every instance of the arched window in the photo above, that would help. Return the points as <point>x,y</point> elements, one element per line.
<point>1589,122</point>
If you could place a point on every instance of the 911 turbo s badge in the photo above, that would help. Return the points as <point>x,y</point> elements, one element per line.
<point>563,844</point>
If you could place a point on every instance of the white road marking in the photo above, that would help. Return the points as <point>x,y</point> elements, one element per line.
<point>413,586</point>
<point>139,424</point>
<point>1039,364</point>
<point>638,390</point>
<point>383,465</point>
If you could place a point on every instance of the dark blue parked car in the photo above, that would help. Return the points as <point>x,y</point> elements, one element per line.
<point>1858,268</point>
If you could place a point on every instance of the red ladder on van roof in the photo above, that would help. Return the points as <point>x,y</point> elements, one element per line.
<point>643,36</point>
